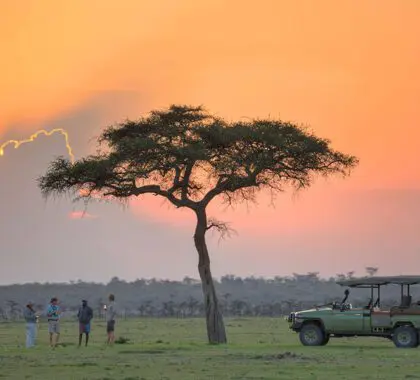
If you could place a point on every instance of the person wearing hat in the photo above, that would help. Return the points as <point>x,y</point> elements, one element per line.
<point>31,320</point>
<point>84,316</point>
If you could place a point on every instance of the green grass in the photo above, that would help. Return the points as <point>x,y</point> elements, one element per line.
<point>259,348</point>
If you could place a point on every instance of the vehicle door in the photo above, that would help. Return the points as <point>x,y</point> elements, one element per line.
<point>351,321</point>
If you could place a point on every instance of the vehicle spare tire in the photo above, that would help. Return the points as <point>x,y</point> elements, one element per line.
<point>405,337</point>
<point>312,335</point>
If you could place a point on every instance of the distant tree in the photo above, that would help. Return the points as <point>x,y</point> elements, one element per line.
<point>190,157</point>
<point>350,274</point>
<point>371,271</point>
<point>100,307</point>
<point>192,305</point>
<point>115,280</point>
<point>340,277</point>
<point>14,309</point>
<point>188,280</point>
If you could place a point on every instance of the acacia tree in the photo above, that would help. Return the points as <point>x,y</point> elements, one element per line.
<point>371,271</point>
<point>190,157</point>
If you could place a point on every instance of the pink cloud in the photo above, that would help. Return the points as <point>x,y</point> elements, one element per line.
<point>81,215</point>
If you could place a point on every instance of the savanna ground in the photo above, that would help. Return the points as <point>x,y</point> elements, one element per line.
<point>259,348</point>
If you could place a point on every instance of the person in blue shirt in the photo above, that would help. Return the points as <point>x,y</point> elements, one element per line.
<point>53,316</point>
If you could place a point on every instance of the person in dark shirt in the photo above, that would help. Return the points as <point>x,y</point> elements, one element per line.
<point>84,316</point>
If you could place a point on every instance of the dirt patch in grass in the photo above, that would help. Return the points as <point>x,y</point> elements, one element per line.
<point>80,364</point>
<point>280,356</point>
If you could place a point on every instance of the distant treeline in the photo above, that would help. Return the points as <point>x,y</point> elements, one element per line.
<point>238,296</point>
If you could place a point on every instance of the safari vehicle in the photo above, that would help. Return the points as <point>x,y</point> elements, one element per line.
<point>401,323</point>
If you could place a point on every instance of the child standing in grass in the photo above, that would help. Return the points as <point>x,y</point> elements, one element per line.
<point>110,319</point>
<point>31,320</point>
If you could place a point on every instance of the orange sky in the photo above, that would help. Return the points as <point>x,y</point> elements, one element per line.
<point>350,69</point>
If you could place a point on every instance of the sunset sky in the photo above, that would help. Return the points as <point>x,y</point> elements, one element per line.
<point>348,69</point>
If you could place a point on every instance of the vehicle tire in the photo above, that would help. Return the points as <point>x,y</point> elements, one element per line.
<point>405,337</point>
<point>326,339</point>
<point>311,335</point>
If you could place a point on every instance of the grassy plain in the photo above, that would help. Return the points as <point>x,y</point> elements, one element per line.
<point>176,349</point>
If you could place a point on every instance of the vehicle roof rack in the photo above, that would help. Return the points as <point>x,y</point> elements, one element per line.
<point>367,282</point>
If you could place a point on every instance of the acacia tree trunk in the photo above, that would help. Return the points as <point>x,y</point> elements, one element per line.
<point>215,327</point>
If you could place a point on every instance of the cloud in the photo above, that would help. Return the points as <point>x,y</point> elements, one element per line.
<point>82,215</point>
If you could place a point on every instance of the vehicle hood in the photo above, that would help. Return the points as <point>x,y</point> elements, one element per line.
<point>311,312</point>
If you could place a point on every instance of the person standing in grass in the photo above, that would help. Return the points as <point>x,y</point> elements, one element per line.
<point>53,316</point>
<point>84,316</point>
<point>31,320</point>
<point>110,319</point>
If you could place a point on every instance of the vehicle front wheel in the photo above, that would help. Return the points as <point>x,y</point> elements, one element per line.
<point>312,335</point>
<point>326,339</point>
<point>405,337</point>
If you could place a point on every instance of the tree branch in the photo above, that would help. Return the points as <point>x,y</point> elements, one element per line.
<point>156,189</point>
<point>222,228</point>
<point>186,180</point>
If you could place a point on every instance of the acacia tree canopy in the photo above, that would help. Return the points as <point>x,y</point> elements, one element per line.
<point>189,156</point>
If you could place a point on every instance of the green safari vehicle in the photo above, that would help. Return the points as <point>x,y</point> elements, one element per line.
<point>400,323</point>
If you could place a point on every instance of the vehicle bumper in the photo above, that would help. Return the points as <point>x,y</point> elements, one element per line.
<point>294,324</point>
